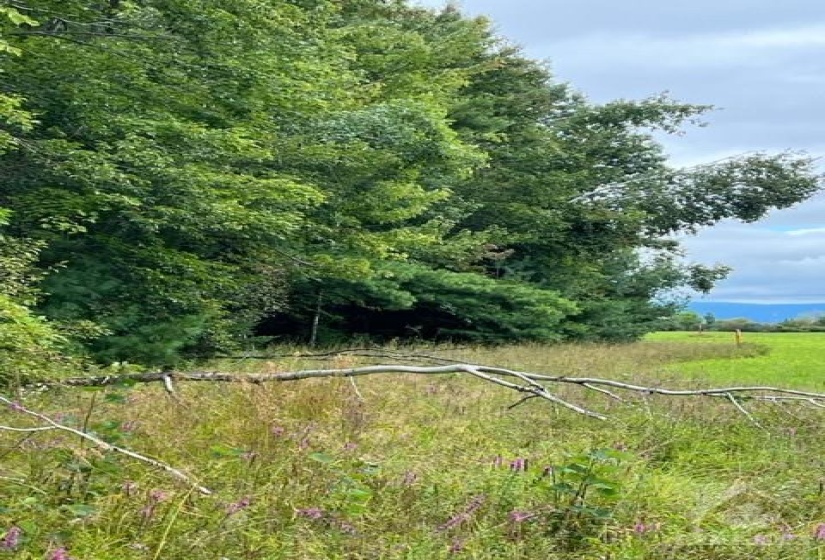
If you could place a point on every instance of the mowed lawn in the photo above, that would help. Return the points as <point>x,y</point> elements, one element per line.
<point>792,360</point>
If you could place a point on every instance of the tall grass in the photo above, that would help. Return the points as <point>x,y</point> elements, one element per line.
<point>423,467</point>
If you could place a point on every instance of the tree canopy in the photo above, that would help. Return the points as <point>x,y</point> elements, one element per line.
<point>195,173</point>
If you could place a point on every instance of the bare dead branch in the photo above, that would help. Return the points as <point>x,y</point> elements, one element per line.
<point>532,385</point>
<point>54,425</point>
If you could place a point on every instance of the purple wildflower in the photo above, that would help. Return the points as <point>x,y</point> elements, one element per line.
<point>129,487</point>
<point>520,516</point>
<point>465,514</point>
<point>312,513</point>
<point>640,528</point>
<point>155,497</point>
<point>347,528</point>
<point>476,503</point>
<point>454,521</point>
<point>518,465</point>
<point>158,496</point>
<point>409,479</point>
<point>240,505</point>
<point>16,407</point>
<point>761,540</point>
<point>456,546</point>
<point>59,554</point>
<point>12,538</point>
<point>819,532</point>
<point>129,426</point>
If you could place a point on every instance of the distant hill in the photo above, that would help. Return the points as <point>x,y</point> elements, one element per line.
<point>759,312</point>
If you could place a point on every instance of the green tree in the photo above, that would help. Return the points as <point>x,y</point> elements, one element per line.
<point>189,167</point>
<point>152,175</point>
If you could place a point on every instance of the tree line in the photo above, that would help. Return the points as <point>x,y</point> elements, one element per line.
<point>692,321</point>
<point>179,177</point>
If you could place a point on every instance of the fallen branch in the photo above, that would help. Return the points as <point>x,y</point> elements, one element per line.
<point>531,385</point>
<point>54,425</point>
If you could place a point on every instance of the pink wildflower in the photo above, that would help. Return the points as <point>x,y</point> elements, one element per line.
<point>312,513</point>
<point>518,465</point>
<point>155,497</point>
<point>128,426</point>
<point>465,514</point>
<point>640,528</point>
<point>59,554</point>
<point>240,505</point>
<point>12,538</point>
<point>520,516</point>
<point>819,532</point>
<point>129,488</point>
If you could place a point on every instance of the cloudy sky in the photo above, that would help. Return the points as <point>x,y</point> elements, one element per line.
<point>760,62</point>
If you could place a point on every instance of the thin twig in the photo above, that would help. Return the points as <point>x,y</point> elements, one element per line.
<point>37,429</point>
<point>610,394</point>
<point>747,414</point>
<point>521,401</point>
<point>355,388</point>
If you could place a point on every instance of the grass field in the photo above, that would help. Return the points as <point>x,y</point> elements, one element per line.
<point>421,467</point>
<point>795,359</point>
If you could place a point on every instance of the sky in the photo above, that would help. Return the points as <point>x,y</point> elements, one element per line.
<point>761,63</point>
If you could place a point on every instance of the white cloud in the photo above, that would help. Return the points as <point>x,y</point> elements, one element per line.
<point>811,231</point>
<point>744,48</point>
<point>770,265</point>
<point>799,37</point>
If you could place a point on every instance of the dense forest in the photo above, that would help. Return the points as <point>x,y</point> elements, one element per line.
<point>181,177</point>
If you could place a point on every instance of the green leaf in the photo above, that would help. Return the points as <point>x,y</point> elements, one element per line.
<point>81,510</point>
<point>322,457</point>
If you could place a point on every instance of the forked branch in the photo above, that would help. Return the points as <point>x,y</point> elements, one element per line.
<point>530,385</point>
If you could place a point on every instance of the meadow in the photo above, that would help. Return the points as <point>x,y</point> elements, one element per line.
<point>434,466</point>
